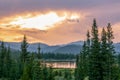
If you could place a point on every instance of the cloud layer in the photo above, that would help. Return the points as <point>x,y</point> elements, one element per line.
<point>68,30</point>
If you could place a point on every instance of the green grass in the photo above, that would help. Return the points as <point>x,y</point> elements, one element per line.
<point>64,74</point>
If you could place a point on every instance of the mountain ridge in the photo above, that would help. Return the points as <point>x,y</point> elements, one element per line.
<point>72,48</point>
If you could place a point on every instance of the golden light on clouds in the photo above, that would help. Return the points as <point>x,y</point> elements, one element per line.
<point>48,22</point>
<point>42,21</point>
<point>9,35</point>
<point>47,27</point>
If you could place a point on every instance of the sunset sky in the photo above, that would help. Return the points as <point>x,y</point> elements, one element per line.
<point>56,21</point>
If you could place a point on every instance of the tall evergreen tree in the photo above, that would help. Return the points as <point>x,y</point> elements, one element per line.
<point>39,53</point>
<point>77,72</point>
<point>118,62</point>
<point>83,63</point>
<point>50,73</point>
<point>88,47</point>
<point>7,63</point>
<point>81,71</point>
<point>37,67</point>
<point>45,73</point>
<point>88,41</point>
<point>25,75</point>
<point>37,73</point>
<point>14,75</point>
<point>23,56</point>
<point>28,69</point>
<point>24,53</point>
<point>104,55</point>
<point>2,57</point>
<point>118,59</point>
<point>94,56</point>
<point>111,51</point>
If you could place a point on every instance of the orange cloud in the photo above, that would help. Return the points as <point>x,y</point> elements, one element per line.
<point>16,34</point>
<point>63,30</point>
<point>60,33</point>
<point>41,21</point>
<point>9,34</point>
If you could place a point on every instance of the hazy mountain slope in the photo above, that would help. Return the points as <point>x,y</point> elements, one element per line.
<point>117,47</point>
<point>50,49</point>
<point>73,47</point>
<point>76,43</point>
<point>32,47</point>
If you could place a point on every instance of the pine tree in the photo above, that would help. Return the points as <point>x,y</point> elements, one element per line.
<point>39,54</point>
<point>118,59</point>
<point>111,51</point>
<point>24,56</point>
<point>104,55</point>
<point>88,47</point>
<point>83,63</point>
<point>94,56</point>
<point>25,75</point>
<point>37,73</point>
<point>20,66</point>
<point>37,68</point>
<point>24,53</point>
<point>88,41</point>
<point>31,65</point>
<point>45,73</point>
<point>14,75</point>
<point>2,57</point>
<point>77,72</point>
<point>81,70</point>
<point>50,73</point>
<point>28,68</point>
<point>7,63</point>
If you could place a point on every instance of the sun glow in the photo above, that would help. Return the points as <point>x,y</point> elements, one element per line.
<point>42,21</point>
<point>74,16</point>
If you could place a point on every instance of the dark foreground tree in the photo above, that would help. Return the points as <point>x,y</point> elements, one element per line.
<point>104,55</point>
<point>37,73</point>
<point>82,65</point>
<point>111,64</point>
<point>7,63</point>
<point>2,57</point>
<point>23,56</point>
<point>25,75</point>
<point>82,60</point>
<point>99,56</point>
<point>94,57</point>
<point>24,53</point>
<point>28,69</point>
<point>39,56</point>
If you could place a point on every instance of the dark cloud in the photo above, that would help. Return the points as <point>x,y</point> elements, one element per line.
<point>8,7</point>
<point>102,10</point>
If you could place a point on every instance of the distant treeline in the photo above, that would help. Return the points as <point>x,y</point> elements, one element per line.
<point>58,56</point>
<point>55,56</point>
